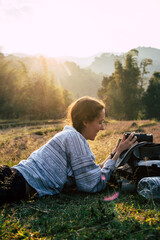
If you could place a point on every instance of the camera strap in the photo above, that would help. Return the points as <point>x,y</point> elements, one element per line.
<point>141,160</point>
<point>125,156</point>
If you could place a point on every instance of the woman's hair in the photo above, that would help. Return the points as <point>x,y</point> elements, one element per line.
<point>84,109</point>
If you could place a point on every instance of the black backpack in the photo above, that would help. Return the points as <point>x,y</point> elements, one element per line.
<point>141,160</point>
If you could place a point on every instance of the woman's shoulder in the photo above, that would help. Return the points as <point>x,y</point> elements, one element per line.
<point>66,135</point>
<point>70,132</point>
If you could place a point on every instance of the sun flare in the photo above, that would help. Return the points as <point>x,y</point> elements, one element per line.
<point>78,28</point>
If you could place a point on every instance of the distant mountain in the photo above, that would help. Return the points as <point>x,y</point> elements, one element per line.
<point>152,53</point>
<point>83,76</point>
<point>105,63</point>
<point>20,55</point>
<point>77,80</point>
<point>81,62</point>
<point>148,52</point>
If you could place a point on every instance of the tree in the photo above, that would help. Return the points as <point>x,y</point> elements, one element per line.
<point>25,94</point>
<point>105,93</point>
<point>143,66</point>
<point>130,86</point>
<point>122,89</point>
<point>8,88</point>
<point>151,99</point>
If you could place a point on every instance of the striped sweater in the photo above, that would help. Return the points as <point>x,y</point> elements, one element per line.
<point>66,159</point>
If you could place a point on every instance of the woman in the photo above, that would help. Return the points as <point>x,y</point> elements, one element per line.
<point>66,159</point>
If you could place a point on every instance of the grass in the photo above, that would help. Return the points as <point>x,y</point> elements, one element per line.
<point>75,215</point>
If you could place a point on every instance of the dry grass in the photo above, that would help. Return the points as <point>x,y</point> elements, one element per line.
<point>19,142</point>
<point>76,215</point>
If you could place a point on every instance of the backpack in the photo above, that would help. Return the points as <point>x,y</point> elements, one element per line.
<point>141,160</point>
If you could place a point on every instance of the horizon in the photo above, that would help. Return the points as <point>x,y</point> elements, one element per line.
<point>18,54</point>
<point>78,28</point>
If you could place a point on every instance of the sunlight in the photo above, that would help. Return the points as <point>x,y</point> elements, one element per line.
<point>60,28</point>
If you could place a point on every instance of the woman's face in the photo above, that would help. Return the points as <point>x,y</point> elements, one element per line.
<point>92,128</point>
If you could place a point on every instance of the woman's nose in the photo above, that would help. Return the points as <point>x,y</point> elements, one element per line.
<point>102,127</point>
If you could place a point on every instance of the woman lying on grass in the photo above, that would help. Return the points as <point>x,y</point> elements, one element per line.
<point>66,159</point>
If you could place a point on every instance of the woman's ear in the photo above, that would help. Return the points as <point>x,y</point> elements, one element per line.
<point>84,123</point>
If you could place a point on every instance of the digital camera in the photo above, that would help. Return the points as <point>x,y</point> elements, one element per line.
<point>141,137</point>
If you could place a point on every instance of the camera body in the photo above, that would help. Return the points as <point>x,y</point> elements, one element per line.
<point>141,137</point>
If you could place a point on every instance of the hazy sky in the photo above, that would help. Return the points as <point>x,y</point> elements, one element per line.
<point>79,28</point>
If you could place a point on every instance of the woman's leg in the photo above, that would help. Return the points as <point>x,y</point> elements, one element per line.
<point>12,185</point>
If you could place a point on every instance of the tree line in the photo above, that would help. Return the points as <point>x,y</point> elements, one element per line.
<point>35,95</point>
<point>125,94</point>
<point>30,95</point>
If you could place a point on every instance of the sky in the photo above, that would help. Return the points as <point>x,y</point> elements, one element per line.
<point>78,28</point>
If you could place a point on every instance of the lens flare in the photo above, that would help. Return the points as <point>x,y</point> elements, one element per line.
<point>112,197</point>
<point>103,177</point>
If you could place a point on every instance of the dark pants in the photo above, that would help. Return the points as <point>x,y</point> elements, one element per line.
<point>12,185</point>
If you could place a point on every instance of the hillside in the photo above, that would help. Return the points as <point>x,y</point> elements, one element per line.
<point>77,80</point>
<point>105,63</point>
<point>83,76</point>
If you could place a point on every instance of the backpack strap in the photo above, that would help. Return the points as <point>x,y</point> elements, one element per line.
<point>125,156</point>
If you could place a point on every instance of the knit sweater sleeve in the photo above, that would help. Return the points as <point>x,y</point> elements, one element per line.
<point>88,175</point>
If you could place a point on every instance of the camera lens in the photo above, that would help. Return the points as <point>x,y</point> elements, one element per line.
<point>142,137</point>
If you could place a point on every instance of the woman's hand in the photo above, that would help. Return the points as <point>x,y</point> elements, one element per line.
<point>124,144</point>
<point>127,143</point>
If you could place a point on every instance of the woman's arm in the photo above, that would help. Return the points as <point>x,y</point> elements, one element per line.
<point>89,177</point>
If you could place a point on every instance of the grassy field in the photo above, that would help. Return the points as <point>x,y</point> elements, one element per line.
<point>74,215</point>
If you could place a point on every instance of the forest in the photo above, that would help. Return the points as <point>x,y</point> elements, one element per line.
<point>125,92</point>
<point>30,95</point>
<point>42,88</point>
